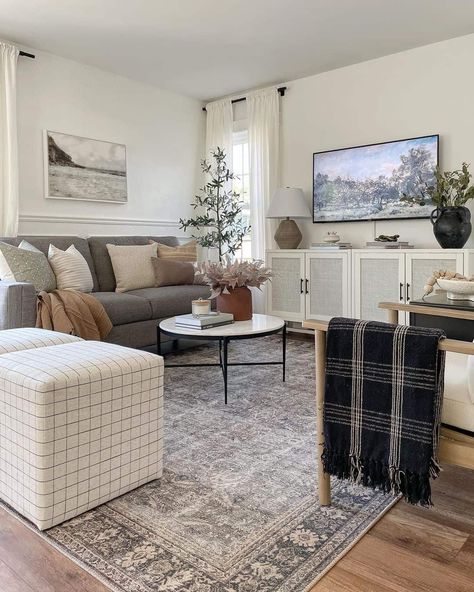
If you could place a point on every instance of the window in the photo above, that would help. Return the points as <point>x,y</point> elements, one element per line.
<point>240,167</point>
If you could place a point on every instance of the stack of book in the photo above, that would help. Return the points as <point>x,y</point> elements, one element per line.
<point>330,246</point>
<point>388,245</point>
<point>213,319</point>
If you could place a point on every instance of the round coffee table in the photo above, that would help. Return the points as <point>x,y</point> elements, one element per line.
<point>260,325</point>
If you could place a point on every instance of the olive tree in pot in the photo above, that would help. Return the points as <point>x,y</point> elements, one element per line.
<point>220,225</point>
<point>451,219</point>
<point>219,219</point>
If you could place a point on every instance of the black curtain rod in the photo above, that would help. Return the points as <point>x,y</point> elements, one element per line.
<point>281,91</point>
<point>27,55</point>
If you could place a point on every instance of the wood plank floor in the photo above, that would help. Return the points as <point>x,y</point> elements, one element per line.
<point>408,550</point>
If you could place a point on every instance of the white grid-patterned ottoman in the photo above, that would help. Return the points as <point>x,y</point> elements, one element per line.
<point>30,338</point>
<point>80,424</point>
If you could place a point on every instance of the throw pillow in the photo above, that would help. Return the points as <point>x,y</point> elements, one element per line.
<point>132,266</point>
<point>22,265</point>
<point>172,273</point>
<point>186,252</point>
<point>28,246</point>
<point>71,269</point>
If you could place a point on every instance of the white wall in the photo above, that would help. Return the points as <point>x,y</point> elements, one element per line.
<point>418,92</point>
<point>163,133</point>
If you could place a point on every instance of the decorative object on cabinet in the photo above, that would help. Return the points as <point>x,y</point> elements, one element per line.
<point>331,237</point>
<point>449,192</point>
<point>222,219</point>
<point>288,203</point>
<point>386,238</point>
<point>230,282</point>
<point>84,169</point>
<point>388,244</point>
<point>330,246</point>
<point>352,183</point>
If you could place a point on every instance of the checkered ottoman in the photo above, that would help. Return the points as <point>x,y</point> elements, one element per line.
<point>29,338</point>
<point>80,424</point>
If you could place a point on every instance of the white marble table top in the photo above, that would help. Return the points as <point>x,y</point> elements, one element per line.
<point>259,323</point>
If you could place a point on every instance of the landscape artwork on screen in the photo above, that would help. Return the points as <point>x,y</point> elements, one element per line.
<point>85,169</point>
<point>368,182</point>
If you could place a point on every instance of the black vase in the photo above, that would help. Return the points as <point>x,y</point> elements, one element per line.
<point>451,226</point>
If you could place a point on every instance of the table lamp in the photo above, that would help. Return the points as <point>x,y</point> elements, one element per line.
<point>288,203</point>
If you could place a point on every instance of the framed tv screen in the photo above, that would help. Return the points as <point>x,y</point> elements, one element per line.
<point>368,182</point>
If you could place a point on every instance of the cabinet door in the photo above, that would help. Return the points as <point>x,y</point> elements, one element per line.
<point>420,267</point>
<point>327,285</point>
<point>285,292</point>
<point>377,277</point>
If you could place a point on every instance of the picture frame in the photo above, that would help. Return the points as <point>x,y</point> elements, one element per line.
<point>84,169</point>
<point>367,182</point>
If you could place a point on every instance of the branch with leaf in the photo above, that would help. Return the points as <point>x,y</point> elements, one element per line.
<point>451,189</point>
<point>222,216</point>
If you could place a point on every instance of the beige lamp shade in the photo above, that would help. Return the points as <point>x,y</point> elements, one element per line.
<point>287,203</point>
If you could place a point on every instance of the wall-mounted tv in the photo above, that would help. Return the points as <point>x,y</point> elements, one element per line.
<point>368,182</point>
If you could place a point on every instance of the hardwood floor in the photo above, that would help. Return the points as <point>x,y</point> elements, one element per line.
<point>408,550</point>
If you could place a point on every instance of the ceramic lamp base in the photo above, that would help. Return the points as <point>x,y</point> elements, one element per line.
<point>288,235</point>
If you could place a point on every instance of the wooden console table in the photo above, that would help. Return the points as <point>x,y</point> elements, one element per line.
<point>456,449</point>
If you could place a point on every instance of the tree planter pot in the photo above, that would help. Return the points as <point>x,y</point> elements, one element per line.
<point>238,302</point>
<point>451,226</point>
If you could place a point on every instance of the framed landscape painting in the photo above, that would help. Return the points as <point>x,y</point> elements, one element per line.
<point>84,169</point>
<point>368,182</point>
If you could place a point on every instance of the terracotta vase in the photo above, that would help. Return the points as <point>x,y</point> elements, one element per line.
<point>238,302</point>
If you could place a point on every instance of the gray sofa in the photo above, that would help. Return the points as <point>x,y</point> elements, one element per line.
<point>134,314</point>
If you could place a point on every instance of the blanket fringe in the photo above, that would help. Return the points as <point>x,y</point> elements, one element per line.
<point>415,487</point>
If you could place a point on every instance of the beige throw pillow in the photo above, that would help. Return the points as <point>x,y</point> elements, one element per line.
<point>71,269</point>
<point>172,273</point>
<point>132,266</point>
<point>186,252</point>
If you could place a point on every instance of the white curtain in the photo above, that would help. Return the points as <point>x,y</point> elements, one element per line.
<point>8,141</point>
<point>263,111</point>
<point>219,128</point>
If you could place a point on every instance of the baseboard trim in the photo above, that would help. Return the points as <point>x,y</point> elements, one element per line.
<point>45,219</point>
<point>456,449</point>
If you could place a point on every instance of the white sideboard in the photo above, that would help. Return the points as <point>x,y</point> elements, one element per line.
<point>320,284</point>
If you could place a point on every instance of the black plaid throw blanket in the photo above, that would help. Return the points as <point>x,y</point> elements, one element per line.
<point>384,386</point>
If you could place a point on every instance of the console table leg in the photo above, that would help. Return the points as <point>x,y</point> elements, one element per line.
<point>284,351</point>
<point>324,482</point>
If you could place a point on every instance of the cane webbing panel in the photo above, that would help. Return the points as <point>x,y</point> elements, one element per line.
<point>286,284</point>
<point>379,282</point>
<point>326,285</point>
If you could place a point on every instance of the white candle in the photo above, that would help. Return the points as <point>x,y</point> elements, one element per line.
<point>201,307</point>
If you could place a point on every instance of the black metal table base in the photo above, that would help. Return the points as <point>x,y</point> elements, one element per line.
<point>224,352</point>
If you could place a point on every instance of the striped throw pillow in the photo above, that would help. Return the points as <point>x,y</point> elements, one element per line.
<point>71,269</point>
<point>186,252</point>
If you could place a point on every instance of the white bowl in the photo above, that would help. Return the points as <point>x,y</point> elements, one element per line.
<point>457,289</point>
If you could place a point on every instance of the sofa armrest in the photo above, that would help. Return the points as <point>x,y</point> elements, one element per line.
<point>17,305</point>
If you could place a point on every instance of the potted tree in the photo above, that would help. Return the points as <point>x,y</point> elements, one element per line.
<point>451,219</point>
<point>219,210</point>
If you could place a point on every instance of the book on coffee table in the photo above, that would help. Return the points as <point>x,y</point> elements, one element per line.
<point>204,321</point>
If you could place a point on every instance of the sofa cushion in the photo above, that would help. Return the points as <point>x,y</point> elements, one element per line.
<point>71,269</point>
<point>102,262</point>
<point>20,264</point>
<point>124,308</point>
<point>169,301</point>
<point>61,242</point>
<point>172,273</point>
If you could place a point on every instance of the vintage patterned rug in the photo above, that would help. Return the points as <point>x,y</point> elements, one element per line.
<point>237,509</point>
